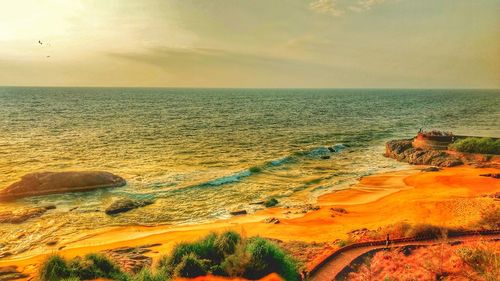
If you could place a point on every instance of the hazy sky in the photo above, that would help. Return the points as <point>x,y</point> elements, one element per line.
<point>251,43</point>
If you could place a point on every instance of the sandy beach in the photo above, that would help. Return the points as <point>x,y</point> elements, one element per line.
<point>451,197</point>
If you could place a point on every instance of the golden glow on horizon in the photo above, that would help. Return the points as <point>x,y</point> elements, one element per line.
<point>223,43</point>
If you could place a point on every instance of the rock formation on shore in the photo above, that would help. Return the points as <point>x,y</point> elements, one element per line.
<point>35,184</point>
<point>403,150</point>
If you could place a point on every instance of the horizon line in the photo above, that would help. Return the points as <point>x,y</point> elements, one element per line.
<point>250,88</point>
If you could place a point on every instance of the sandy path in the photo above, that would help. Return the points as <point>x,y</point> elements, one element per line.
<point>330,270</point>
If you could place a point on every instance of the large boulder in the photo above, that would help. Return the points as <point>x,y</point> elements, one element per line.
<point>35,184</point>
<point>125,205</point>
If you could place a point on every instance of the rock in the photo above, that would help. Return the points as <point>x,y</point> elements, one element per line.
<point>238,212</point>
<point>125,205</point>
<point>403,150</point>
<point>51,242</point>
<point>272,220</point>
<point>10,273</point>
<point>5,254</point>
<point>495,176</point>
<point>257,203</point>
<point>307,208</point>
<point>271,202</point>
<point>131,259</point>
<point>36,184</point>
<point>22,215</point>
<point>339,210</point>
<point>431,169</point>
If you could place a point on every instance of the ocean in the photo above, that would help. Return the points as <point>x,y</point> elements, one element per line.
<point>200,153</point>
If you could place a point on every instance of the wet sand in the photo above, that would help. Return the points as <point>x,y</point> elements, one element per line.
<point>450,197</point>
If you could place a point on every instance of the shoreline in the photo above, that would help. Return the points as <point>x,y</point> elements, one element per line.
<point>450,197</point>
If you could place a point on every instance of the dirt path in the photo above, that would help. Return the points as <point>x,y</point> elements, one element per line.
<point>337,261</point>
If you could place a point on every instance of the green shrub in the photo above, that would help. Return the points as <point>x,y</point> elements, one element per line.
<point>170,261</point>
<point>425,230</point>
<point>71,279</point>
<point>190,266</point>
<point>103,267</point>
<point>147,275</point>
<point>228,254</point>
<point>235,264</point>
<point>91,266</point>
<point>477,145</point>
<point>226,242</point>
<point>54,269</point>
<point>271,203</point>
<point>266,258</point>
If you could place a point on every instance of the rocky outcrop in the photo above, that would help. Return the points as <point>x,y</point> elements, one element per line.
<point>8,273</point>
<point>59,182</point>
<point>403,150</point>
<point>125,205</point>
<point>132,259</point>
<point>22,215</point>
<point>238,212</point>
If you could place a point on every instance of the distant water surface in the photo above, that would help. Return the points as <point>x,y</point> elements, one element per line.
<point>202,152</point>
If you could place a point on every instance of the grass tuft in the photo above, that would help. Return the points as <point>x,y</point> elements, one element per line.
<point>54,269</point>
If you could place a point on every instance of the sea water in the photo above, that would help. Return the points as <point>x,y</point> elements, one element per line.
<point>199,153</point>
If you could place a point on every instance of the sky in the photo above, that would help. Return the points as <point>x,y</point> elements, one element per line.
<point>251,43</point>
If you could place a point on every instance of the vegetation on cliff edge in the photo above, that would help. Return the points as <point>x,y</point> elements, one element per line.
<point>477,145</point>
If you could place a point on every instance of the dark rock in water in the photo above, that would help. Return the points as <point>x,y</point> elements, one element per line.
<point>403,150</point>
<point>8,273</point>
<point>59,182</point>
<point>238,212</point>
<point>125,205</point>
<point>431,169</point>
<point>271,202</point>
<point>22,215</point>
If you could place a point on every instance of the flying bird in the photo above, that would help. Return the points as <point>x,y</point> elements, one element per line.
<point>40,42</point>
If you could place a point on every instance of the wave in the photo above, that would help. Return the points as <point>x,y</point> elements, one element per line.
<point>228,179</point>
<point>315,153</point>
